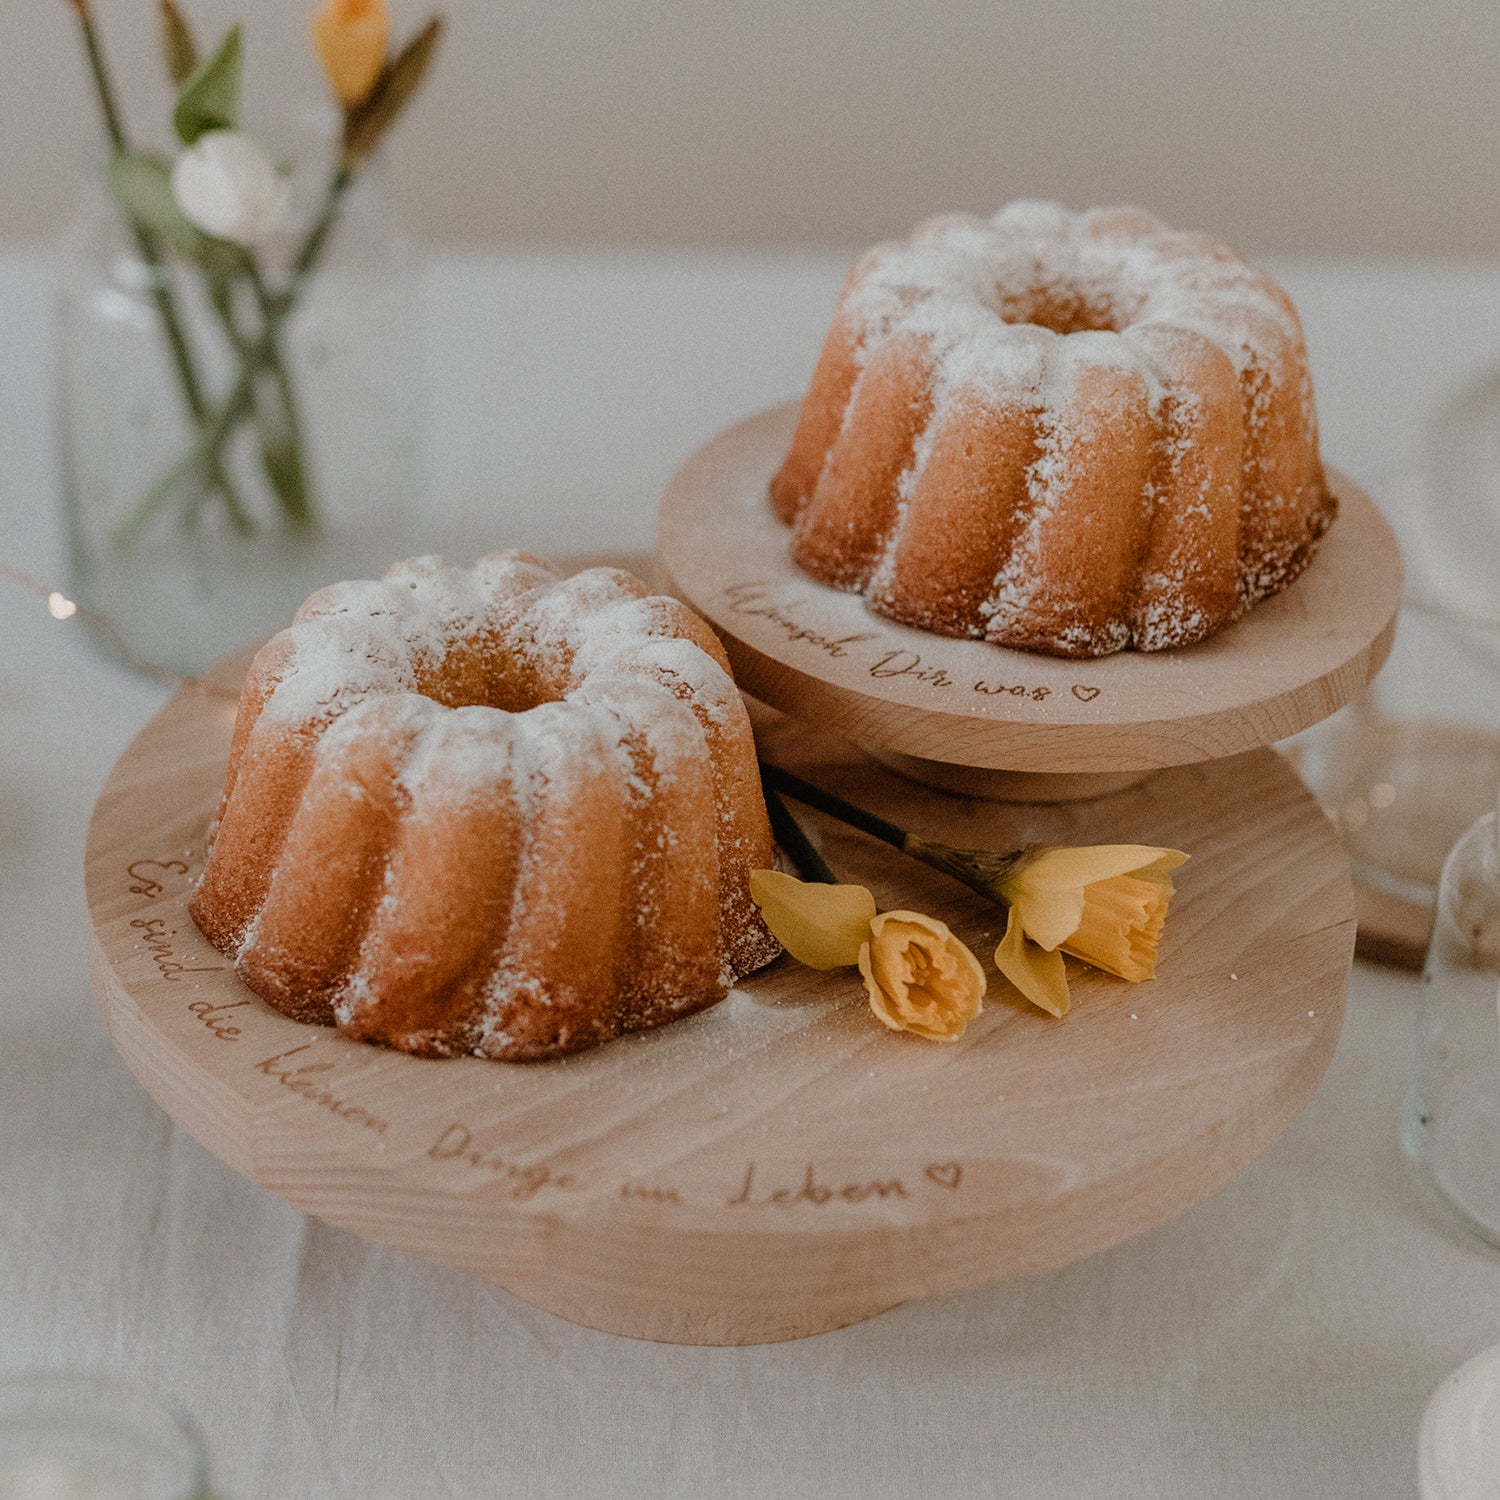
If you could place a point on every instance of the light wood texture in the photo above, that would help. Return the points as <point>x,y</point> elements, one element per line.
<point>1391,929</point>
<point>1006,786</point>
<point>782,1164</point>
<point>820,655</point>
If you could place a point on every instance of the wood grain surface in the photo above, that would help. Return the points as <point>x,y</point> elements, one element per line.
<point>781,1164</point>
<point>819,654</point>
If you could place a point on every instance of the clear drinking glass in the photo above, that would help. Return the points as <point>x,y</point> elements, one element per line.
<point>1415,759</point>
<point>1407,767</point>
<point>88,1437</point>
<point>1454,500</point>
<point>1451,1117</point>
<point>1458,1449</point>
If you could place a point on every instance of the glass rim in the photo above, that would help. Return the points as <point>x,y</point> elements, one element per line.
<point>67,1391</point>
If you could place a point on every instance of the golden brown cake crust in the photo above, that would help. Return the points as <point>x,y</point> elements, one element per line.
<point>1065,433</point>
<point>489,810</point>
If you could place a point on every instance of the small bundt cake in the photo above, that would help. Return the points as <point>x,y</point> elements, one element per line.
<point>489,810</point>
<point>1067,433</point>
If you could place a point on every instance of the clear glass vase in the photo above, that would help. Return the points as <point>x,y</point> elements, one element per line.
<point>187,578</point>
<point>1451,1117</point>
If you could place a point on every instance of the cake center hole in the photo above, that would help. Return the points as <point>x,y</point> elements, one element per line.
<point>1072,304</point>
<point>1075,313</point>
<point>482,674</point>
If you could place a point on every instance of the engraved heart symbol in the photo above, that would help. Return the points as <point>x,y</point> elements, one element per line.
<point>1085,694</point>
<point>946,1174</point>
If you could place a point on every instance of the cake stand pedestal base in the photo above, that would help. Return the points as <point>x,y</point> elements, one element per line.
<point>1025,787</point>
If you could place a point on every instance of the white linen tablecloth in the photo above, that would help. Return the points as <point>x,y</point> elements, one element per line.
<point>1280,1340</point>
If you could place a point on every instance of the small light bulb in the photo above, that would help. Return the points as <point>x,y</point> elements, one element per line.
<point>62,608</point>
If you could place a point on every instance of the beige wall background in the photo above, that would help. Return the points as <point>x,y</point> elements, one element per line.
<point>1329,126</point>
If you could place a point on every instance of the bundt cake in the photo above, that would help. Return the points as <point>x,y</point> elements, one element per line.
<point>1067,433</point>
<point>489,810</point>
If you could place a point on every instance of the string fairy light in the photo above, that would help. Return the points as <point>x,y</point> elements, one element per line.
<point>61,607</point>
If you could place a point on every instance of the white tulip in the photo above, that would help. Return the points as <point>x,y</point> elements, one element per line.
<point>226,184</point>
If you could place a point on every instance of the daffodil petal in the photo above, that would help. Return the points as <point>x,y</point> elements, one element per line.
<point>1070,867</point>
<point>1160,869</point>
<point>1050,917</point>
<point>1123,920</point>
<point>822,926</point>
<point>1039,975</point>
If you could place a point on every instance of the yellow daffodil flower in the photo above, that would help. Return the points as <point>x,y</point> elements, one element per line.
<point>920,977</point>
<point>1106,905</point>
<point>351,37</point>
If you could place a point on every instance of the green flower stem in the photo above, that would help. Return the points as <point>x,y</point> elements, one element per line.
<point>239,403</point>
<point>795,843</point>
<point>150,252</point>
<point>100,70</point>
<point>201,458</point>
<point>312,247</point>
<point>145,241</point>
<point>285,461</point>
<point>221,299</point>
<point>981,870</point>
<point>280,434</point>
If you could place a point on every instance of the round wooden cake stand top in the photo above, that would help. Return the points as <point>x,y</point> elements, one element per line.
<point>988,721</point>
<point>781,1164</point>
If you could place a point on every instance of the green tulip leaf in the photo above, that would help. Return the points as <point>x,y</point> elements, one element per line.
<point>210,99</point>
<point>142,184</point>
<point>178,50</point>
<point>365,125</point>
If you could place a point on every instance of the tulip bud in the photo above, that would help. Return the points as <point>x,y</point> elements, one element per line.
<point>227,185</point>
<point>351,37</point>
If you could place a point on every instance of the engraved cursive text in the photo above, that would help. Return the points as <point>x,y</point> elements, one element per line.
<point>523,1182</point>
<point>145,885</point>
<point>212,1017</point>
<point>755,600</point>
<point>302,1079</point>
<point>157,937</point>
<point>812,1191</point>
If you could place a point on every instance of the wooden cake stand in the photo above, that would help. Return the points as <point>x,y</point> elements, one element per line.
<point>782,1164</point>
<point>986,721</point>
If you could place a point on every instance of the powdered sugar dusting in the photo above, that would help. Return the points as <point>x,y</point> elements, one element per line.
<point>1036,264</point>
<point>507,686</point>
